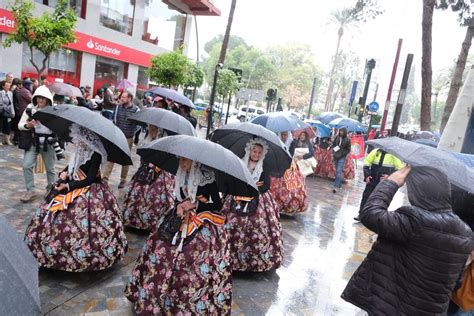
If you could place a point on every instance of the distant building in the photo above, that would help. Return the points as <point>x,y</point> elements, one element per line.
<point>115,39</point>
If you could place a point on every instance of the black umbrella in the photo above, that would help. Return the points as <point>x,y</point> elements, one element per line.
<point>236,136</point>
<point>165,119</point>
<point>232,176</point>
<point>19,291</point>
<point>59,118</point>
<point>459,174</point>
<point>173,95</point>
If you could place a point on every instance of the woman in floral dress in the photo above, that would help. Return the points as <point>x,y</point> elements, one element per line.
<point>325,167</point>
<point>150,194</point>
<point>289,191</point>
<point>184,268</point>
<point>255,234</point>
<point>79,226</point>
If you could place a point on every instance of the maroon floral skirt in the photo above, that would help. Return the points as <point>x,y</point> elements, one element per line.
<point>195,281</point>
<point>87,236</point>
<point>289,191</point>
<point>326,167</point>
<point>255,240</point>
<point>146,202</point>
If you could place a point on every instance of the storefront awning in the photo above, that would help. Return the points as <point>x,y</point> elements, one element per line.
<point>195,7</point>
<point>202,7</point>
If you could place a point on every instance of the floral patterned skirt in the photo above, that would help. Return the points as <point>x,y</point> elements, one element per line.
<point>146,203</point>
<point>289,191</point>
<point>255,240</point>
<point>87,236</point>
<point>326,167</point>
<point>197,280</point>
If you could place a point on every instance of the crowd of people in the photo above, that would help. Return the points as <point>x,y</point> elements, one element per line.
<point>199,236</point>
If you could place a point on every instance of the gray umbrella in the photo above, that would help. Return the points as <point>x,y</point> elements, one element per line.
<point>59,118</point>
<point>232,176</point>
<point>165,119</point>
<point>459,174</point>
<point>19,292</point>
<point>65,89</point>
<point>236,136</point>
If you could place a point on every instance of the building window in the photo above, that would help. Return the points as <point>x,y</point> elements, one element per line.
<point>163,25</point>
<point>108,71</point>
<point>117,15</point>
<point>78,6</point>
<point>63,65</point>
<point>142,80</point>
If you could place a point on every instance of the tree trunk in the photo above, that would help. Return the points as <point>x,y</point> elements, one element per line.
<point>327,106</point>
<point>225,43</point>
<point>456,81</point>
<point>426,69</point>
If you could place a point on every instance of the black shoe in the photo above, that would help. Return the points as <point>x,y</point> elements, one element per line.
<point>357,219</point>
<point>334,190</point>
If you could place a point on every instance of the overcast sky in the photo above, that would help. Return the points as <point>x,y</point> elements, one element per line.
<point>266,22</point>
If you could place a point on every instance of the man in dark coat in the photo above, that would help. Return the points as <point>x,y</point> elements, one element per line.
<point>341,147</point>
<point>420,251</point>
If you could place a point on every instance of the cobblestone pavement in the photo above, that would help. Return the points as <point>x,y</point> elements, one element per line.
<point>322,249</point>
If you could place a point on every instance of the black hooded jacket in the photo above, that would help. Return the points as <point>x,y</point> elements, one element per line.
<point>420,251</point>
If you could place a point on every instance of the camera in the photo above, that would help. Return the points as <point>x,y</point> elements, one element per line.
<point>57,149</point>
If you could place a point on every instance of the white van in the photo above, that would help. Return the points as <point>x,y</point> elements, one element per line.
<point>253,111</point>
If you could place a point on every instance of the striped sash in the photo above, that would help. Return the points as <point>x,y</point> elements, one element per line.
<point>61,201</point>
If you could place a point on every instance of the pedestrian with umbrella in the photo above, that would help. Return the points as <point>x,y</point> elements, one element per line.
<point>254,222</point>
<point>150,192</point>
<point>79,225</point>
<point>185,267</point>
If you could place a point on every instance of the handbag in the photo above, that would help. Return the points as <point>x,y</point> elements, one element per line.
<point>169,227</point>
<point>464,296</point>
<point>145,174</point>
<point>244,207</point>
<point>25,140</point>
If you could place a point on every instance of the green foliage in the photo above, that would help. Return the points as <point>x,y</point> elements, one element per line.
<point>169,69</point>
<point>194,76</point>
<point>365,10</point>
<point>376,119</point>
<point>227,83</point>
<point>46,33</point>
<point>462,7</point>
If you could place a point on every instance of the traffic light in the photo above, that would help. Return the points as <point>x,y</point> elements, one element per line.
<point>237,72</point>
<point>271,94</point>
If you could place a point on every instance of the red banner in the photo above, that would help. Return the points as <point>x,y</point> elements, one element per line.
<point>89,44</point>
<point>358,146</point>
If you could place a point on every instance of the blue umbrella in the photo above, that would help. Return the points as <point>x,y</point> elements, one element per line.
<point>173,95</point>
<point>327,117</point>
<point>350,124</point>
<point>466,158</point>
<point>323,130</point>
<point>427,142</point>
<point>279,122</point>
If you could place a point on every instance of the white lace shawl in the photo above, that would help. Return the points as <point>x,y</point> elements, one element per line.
<point>198,176</point>
<point>84,144</point>
<point>259,166</point>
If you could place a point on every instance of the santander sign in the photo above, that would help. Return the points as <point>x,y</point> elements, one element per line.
<point>89,44</point>
<point>103,48</point>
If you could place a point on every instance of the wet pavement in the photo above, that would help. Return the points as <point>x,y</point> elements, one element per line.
<point>322,249</point>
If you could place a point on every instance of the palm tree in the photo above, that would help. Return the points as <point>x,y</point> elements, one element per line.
<point>225,43</point>
<point>342,18</point>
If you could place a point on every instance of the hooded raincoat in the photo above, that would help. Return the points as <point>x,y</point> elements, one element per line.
<point>420,251</point>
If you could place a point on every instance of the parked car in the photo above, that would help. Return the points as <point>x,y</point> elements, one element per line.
<point>253,111</point>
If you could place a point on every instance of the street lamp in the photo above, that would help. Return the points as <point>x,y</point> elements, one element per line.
<point>252,70</point>
<point>211,101</point>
